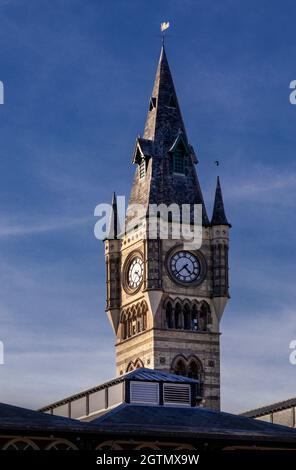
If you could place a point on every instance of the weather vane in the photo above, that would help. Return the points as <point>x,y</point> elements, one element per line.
<point>163,27</point>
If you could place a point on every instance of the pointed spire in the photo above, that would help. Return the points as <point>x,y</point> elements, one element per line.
<point>164,119</point>
<point>164,136</point>
<point>219,216</point>
<point>113,219</point>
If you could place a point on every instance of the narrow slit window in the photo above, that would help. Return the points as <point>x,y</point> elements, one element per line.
<point>172,102</point>
<point>152,103</point>
<point>142,169</point>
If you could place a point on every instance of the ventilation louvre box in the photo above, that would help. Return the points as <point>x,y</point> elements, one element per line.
<point>176,394</point>
<point>144,392</point>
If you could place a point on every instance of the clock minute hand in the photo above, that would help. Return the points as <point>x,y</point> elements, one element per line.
<point>185,267</point>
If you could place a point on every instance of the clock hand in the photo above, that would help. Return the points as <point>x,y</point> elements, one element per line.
<point>183,267</point>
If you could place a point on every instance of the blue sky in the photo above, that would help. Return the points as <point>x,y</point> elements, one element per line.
<point>77,76</point>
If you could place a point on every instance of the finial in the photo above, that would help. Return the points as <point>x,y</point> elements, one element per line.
<point>217,163</point>
<point>163,27</point>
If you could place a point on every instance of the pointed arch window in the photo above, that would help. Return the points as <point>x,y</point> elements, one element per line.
<point>125,327</point>
<point>144,316</point>
<point>129,326</point>
<point>138,363</point>
<point>139,323</point>
<point>178,316</point>
<point>193,370</point>
<point>194,318</point>
<point>186,313</point>
<point>180,368</point>
<point>189,367</point>
<point>169,315</point>
<point>204,316</point>
<point>134,324</point>
<point>134,320</point>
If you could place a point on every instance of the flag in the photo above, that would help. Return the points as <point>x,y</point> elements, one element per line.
<point>164,26</point>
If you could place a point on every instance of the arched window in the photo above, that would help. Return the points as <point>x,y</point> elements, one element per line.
<point>188,367</point>
<point>129,325</point>
<point>138,364</point>
<point>193,369</point>
<point>145,320</point>
<point>186,314</point>
<point>124,327</point>
<point>179,367</point>
<point>204,316</point>
<point>130,367</point>
<point>134,323</point>
<point>61,445</point>
<point>134,365</point>
<point>185,447</point>
<point>134,320</point>
<point>169,315</point>
<point>194,318</point>
<point>147,447</point>
<point>144,315</point>
<point>139,321</point>
<point>108,445</point>
<point>178,316</point>
<point>20,444</point>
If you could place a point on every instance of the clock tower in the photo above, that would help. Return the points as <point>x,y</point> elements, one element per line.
<point>165,300</point>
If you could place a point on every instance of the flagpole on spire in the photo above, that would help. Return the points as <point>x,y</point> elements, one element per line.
<point>163,27</point>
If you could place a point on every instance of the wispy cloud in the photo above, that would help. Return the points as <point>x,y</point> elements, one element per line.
<point>33,227</point>
<point>263,185</point>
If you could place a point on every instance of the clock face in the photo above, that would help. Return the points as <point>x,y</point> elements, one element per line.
<point>135,273</point>
<point>185,267</point>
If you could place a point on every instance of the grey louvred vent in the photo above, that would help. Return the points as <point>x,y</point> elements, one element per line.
<point>176,394</point>
<point>144,392</point>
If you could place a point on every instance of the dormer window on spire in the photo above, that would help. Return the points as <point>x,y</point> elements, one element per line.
<point>179,151</point>
<point>178,162</point>
<point>172,102</point>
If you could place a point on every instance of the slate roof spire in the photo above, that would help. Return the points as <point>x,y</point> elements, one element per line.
<point>164,120</point>
<point>164,137</point>
<point>219,216</point>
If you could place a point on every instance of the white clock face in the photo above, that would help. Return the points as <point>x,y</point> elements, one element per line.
<point>185,266</point>
<point>135,273</point>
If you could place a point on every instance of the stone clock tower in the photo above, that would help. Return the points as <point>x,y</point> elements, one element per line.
<point>165,302</point>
